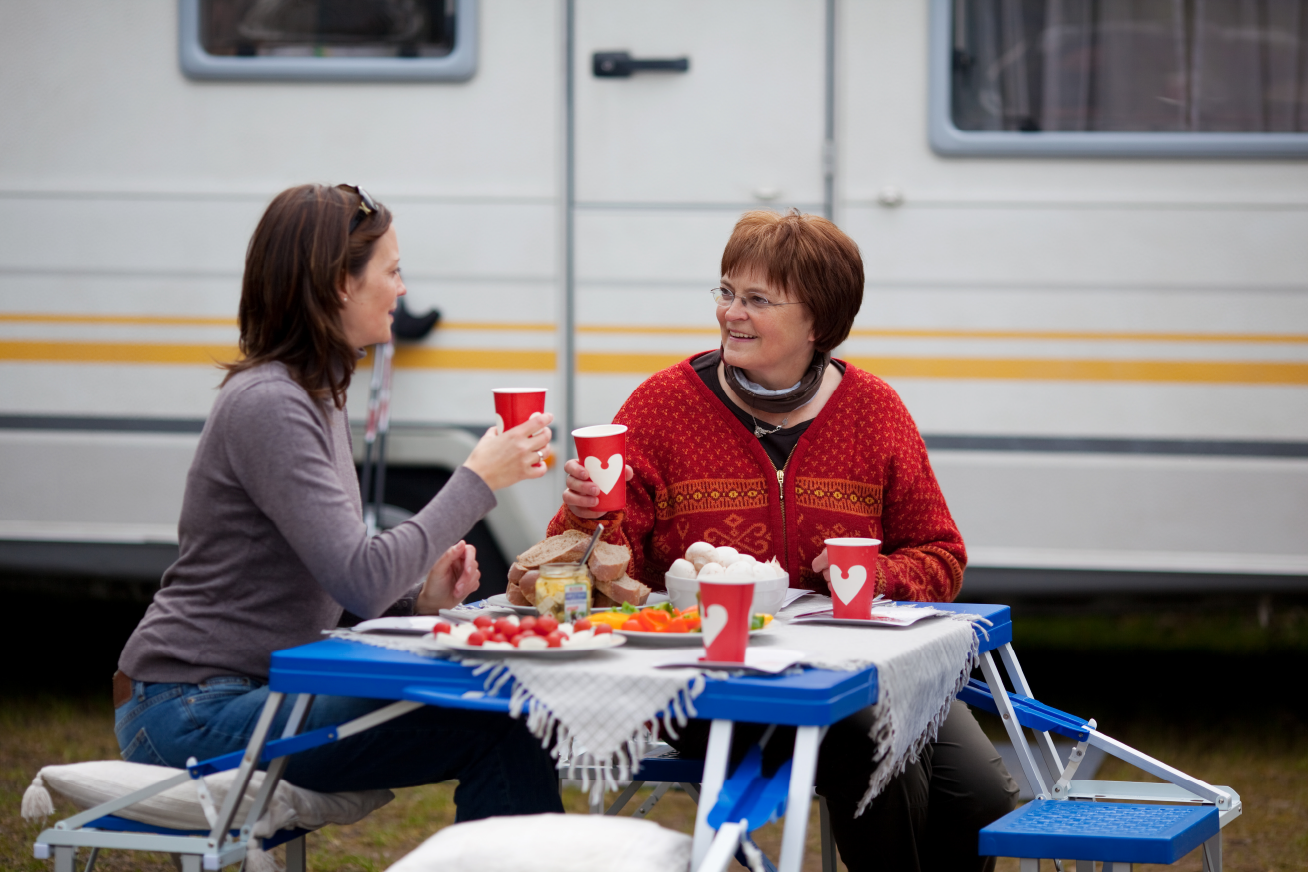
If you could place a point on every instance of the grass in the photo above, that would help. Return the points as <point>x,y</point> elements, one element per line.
<point>36,732</point>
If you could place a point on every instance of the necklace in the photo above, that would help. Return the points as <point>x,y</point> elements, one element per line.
<point>758,428</point>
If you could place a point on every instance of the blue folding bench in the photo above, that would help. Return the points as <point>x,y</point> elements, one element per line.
<point>1116,822</point>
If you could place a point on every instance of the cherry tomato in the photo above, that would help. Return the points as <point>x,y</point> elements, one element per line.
<point>583,624</point>
<point>634,626</point>
<point>546,624</point>
<point>441,627</point>
<point>555,639</point>
<point>678,625</point>
<point>528,624</point>
<point>483,621</point>
<point>507,628</point>
<point>497,637</point>
<point>476,638</point>
<point>601,629</point>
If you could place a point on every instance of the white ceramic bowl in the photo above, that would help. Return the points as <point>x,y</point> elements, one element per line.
<point>769,594</point>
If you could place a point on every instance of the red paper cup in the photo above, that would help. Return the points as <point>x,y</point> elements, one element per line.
<point>853,576</point>
<point>724,617</point>
<point>513,406</point>
<point>602,449</point>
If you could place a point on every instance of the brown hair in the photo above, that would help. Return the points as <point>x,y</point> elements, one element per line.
<point>809,258</point>
<point>295,268</point>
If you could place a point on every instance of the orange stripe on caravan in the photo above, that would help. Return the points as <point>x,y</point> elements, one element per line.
<point>471,358</point>
<point>118,352</point>
<point>1054,369</point>
<point>1033,369</point>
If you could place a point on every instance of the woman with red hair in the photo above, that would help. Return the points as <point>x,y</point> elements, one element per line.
<point>771,446</point>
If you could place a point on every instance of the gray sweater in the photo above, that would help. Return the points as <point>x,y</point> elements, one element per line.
<point>273,543</point>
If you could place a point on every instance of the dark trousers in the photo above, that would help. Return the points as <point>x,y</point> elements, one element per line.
<point>925,820</point>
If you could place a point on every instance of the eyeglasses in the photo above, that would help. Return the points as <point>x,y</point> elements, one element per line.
<point>367,205</point>
<point>751,302</point>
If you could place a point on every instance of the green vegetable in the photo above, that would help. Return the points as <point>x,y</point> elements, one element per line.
<point>667,607</point>
<point>628,609</point>
<point>756,622</point>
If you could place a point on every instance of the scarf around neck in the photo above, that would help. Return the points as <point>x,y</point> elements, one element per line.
<point>786,400</point>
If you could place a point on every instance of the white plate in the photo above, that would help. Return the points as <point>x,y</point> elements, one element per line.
<point>671,640</point>
<point>501,601</point>
<point>440,642</point>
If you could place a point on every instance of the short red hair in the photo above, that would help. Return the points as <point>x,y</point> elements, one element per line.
<point>810,259</point>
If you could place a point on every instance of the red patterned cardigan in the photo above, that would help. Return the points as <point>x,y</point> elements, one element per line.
<point>861,469</point>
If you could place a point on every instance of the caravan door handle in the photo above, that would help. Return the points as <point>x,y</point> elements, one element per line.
<point>620,65</point>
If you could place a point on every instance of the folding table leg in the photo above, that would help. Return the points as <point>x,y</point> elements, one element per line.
<point>828,839</point>
<point>715,774</point>
<point>1085,866</point>
<point>1213,853</point>
<point>1044,741</point>
<point>249,762</point>
<point>1116,867</point>
<point>802,770</point>
<point>1030,864</point>
<point>297,851</point>
<point>1015,733</point>
<point>191,863</point>
<point>65,857</point>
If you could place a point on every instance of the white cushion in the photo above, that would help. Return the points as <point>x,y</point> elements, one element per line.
<point>89,784</point>
<point>551,843</point>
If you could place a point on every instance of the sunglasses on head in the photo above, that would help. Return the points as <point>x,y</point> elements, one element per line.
<point>367,205</point>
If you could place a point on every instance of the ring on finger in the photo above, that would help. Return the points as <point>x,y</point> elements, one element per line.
<point>540,454</point>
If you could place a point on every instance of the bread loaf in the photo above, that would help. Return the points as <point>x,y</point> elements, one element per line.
<point>567,547</point>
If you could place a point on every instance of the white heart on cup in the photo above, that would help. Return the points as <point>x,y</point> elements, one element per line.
<point>499,423</point>
<point>847,586</point>
<point>715,619</point>
<point>604,475</point>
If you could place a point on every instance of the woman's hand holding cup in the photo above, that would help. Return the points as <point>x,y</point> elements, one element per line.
<point>502,459</point>
<point>582,493</point>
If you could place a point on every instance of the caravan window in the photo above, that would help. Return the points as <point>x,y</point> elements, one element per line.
<point>1217,75</point>
<point>327,39</point>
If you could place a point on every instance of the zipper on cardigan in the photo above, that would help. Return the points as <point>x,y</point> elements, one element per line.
<point>781,492</point>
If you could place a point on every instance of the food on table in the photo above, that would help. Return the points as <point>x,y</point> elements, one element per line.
<point>564,591</point>
<point>683,568</point>
<point>741,570</point>
<point>609,562</point>
<point>699,554</point>
<point>662,618</point>
<point>528,632</point>
<point>608,566</point>
<point>712,570</point>
<point>726,555</point>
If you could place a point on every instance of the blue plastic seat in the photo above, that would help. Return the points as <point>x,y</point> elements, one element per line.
<point>1108,831</point>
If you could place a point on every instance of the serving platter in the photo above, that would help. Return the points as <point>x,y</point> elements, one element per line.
<point>501,601</point>
<point>671,640</point>
<point>603,642</point>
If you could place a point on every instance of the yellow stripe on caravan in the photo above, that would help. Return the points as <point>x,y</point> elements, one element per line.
<point>1029,369</point>
<point>118,352</point>
<point>148,320</point>
<point>470,358</point>
<point>1055,369</point>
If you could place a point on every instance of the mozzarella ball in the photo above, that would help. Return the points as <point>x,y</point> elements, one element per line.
<point>682,569</point>
<point>726,555</point>
<point>699,554</point>
<point>712,570</point>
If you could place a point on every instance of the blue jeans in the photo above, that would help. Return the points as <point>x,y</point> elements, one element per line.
<point>501,768</point>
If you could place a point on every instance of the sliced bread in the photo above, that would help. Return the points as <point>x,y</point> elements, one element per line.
<point>624,590</point>
<point>609,562</point>
<point>567,547</point>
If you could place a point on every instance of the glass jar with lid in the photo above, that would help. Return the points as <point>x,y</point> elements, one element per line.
<point>564,591</point>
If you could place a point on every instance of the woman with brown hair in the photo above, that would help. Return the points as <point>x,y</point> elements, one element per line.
<point>273,543</point>
<point>771,446</point>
